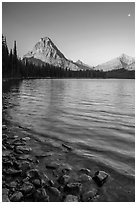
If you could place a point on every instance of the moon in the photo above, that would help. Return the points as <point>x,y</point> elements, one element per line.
<point>129,15</point>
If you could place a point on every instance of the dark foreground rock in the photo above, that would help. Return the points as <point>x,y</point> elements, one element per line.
<point>100,177</point>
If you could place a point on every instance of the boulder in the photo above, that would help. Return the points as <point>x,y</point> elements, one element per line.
<point>36,182</point>
<point>85,171</point>
<point>71,198</point>
<point>33,173</point>
<point>16,197</point>
<point>100,177</point>
<point>41,195</point>
<point>73,188</point>
<point>27,188</point>
<point>55,194</point>
<point>55,191</point>
<point>84,178</point>
<point>64,179</point>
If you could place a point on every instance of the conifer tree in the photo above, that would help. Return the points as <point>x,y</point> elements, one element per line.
<point>5,56</point>
<point>15,71</point>
<point>15,50</point>
<point>11,62</point>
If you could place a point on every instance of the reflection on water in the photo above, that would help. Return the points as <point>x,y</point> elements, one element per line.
<point>97,116</point>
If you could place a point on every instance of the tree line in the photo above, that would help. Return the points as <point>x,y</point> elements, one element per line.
<point>14,67</point>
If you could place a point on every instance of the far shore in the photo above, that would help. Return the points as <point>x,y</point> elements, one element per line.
<point>21,78</point>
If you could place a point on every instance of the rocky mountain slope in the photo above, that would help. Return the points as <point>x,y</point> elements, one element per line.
<point>82,65</point>
<point>123,61</point>
<point>46,52</point>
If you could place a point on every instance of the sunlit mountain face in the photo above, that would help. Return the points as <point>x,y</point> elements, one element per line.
<point>123,61</point>
<point>46,51</point>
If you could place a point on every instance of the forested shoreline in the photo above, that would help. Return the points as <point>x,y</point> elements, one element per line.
<point>14,67</point>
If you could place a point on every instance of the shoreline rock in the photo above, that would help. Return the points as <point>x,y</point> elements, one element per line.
<point>24,181</point>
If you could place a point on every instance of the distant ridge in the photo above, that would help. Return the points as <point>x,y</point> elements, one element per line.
<point>123,61</point>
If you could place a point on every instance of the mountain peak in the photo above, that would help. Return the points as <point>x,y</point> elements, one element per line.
<point>43,42</point>
<point>123,55</point>
<point>127,59</point>
<point>45,39</point>
<point>47,52</point>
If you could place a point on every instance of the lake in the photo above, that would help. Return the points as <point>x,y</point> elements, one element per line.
<point>94,116</point>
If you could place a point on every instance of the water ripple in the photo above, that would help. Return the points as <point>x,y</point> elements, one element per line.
<point>96,116</point>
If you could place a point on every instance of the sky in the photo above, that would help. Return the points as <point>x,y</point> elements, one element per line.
<point>93,32</point>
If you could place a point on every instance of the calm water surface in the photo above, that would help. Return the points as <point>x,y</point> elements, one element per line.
<point>96,116</point>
